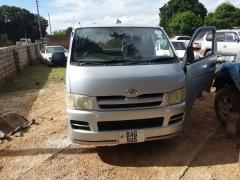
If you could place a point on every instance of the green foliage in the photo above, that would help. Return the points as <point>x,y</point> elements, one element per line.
<point>4,40</point>
<point>176,6</point>
<point>185,23</point>
<point>65,32</point>
<point>225,16</point>
<point>18,23</point>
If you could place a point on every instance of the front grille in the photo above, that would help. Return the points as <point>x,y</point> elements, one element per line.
<point>134,105</point>
<point>80,125</point>
<point>130,124</point>
<point>122,102</point>
<point>176,118</point>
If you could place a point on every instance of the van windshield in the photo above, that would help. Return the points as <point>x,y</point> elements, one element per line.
<point>121,44</point>
<point>54,49</point>
<point>179,45</point>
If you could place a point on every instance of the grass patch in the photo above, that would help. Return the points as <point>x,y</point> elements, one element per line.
<point>35,76</point>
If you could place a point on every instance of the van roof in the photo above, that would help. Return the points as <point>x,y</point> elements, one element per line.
<point>224,30</point>
<point>120,25</point>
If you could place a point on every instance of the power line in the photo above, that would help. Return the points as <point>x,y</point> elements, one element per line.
<point>39,23</point>
<point>50,26</point>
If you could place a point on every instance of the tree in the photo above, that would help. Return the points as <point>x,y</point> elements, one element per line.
<point>185,23</point>
<point>225,16</point>
<point>4,40</point>
<point>17,23</point>
<point>176,6</point>
<point>65,32</point>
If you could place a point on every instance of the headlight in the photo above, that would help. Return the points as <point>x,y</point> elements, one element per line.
<point>79,102</point>
<point>175,97</point>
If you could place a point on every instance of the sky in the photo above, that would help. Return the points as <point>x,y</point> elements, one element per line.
<point>75,13</point>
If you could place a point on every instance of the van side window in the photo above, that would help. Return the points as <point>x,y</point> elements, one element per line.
<point>230,37</point>
<point>220,37</point>
<point>184,38</point>
<point>209,37</point>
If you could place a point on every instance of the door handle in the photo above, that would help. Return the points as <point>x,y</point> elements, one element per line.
<point>225,46</point>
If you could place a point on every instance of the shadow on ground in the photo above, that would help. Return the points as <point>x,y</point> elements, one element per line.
<point>218,151</point>
<point>180,151</point>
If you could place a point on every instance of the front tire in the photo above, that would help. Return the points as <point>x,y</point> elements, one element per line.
<point>226,102</point>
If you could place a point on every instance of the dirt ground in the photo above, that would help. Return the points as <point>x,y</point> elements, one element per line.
<point>201,151</point>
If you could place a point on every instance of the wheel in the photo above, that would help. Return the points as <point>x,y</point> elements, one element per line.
<point>226,102</point>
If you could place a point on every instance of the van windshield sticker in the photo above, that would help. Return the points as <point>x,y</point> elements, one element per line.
<point>161,45</point>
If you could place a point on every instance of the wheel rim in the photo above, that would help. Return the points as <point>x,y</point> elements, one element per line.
<point>224,108</point>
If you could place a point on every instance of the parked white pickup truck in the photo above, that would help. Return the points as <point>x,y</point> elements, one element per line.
<point>228,44</point>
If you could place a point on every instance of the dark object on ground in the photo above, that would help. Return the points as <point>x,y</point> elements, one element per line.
<point>37,83</point>
<point>13,124</point>
<point>227,100</point>
<point>59,59</point>
<point>233,125</point>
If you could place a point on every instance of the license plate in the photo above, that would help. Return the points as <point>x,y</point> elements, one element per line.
<point>132,136</point>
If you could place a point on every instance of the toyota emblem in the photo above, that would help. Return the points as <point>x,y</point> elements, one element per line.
<point>131,93</point>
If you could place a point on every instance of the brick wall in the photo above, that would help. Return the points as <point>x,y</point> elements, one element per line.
<point>15,58</point>
<point>58,40</point>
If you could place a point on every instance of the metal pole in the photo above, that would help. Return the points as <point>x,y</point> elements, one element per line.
<point>39,23</point>
<point>25,35</point>
<point>50,26</point>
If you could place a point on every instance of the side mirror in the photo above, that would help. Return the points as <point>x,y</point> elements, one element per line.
<point>236,39</point>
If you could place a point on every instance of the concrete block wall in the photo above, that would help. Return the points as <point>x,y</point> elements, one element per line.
<point>7,65</point>
<point>22,56</point>
<point>16,58</point>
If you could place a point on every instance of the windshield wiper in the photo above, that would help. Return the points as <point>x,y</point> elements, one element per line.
<point>112,62</point>
<point>160,59</point>
<point>122,61</point>
<point>77,63</point>
<point>126,62</point>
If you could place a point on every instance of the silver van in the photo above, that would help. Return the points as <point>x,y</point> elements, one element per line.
<point>125,84</point>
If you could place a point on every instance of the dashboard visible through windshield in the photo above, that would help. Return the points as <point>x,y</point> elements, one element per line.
<point>115,45</point>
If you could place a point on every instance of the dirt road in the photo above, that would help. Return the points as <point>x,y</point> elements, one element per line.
<point>202,151</point>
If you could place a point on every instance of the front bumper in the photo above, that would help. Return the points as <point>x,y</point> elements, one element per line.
<point>94,136</point>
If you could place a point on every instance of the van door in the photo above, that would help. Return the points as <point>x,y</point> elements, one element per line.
<point>230,44</point>
<point>220,42</point>
<point>199,67</point>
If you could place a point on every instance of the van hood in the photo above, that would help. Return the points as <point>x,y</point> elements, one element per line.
<point>115,80</point>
